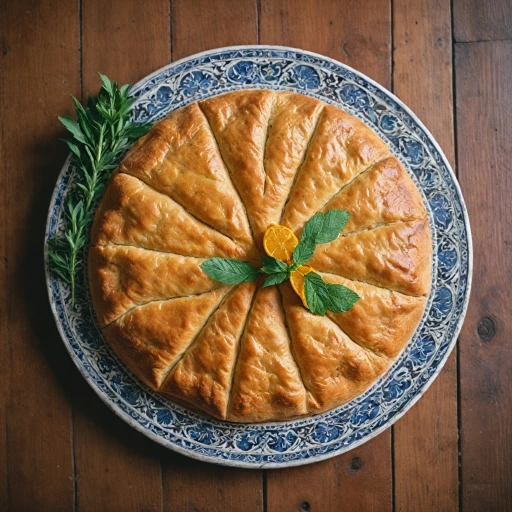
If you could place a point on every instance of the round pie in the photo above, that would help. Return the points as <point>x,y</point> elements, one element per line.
<point>208,180</point>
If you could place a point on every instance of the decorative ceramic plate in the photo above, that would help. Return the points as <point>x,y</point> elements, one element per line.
<point>318,437</point>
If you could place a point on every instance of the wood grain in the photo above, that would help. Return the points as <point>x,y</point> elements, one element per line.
<point>123,40</point>
<point>484,125</point>
<point>475,20</point>
<point>188,484</point>
<point>360,477</point>
<point>117,468</point>
<point>38,67</point>
<point>353,32</point>
<point>198,486</point>
<point>205,24</point>
<point>425,439</point>
<point>360,38</point>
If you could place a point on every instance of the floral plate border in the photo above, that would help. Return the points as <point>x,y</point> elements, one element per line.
<point>307,440</point>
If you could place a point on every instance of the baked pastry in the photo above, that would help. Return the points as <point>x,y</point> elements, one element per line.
<point>208,180</point>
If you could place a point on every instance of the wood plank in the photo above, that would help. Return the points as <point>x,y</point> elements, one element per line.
<point>38,67</point>
<point>123,40</point>
<point>346,31</point>
<point>484,124</point>
<point>205,24</point>
<point>426,438</point>
<point>474,20</point>
<point>188,484</point>
<point>360,38</point>
<point>360,477</point>
<point>198,486</point>
<point>5,376</point>
<point>116,466</point>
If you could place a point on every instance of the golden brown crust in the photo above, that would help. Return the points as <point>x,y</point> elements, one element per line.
<point>239,122</point>
<point>263,139</point>
<point>131,213</point>
<point>267,382</point>
<point>150,338</point>
<point>382,321</point>
<point>395,256</point>
<point>207,181</point>
<point>382,195</point>
<point>203,377</point>
<point>341,148</point>
<point>334,368</point>
<point>124,277</point>
<point>179,157</point>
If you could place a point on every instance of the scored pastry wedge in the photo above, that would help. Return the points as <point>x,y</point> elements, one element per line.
<point>395,256</point>
<point>131,213</point>
<point>341,148</point>
<point>239,123</point>
<point>125,277</point>
<point>267,383</point>
<point>382,195</point>
<point>382,321</point>
<point>334,368</point>
<point>204,375</point>
<point>150,338</point>
<point>263,139</point>
<point>180,157</point>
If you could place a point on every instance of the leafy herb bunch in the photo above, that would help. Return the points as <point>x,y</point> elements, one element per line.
<point>320,296</point>
<point>102,132</point>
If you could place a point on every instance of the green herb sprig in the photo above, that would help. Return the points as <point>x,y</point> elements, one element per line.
<point>102,132</point>
<point>320,296</point>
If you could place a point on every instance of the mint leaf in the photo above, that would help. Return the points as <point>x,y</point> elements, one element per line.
<point>334,221</point>
<point>272,265</point>
<point>276,278</point>
<point>229,270</point>
<point>316,293</point>
<point>313,227</point>
<point>340,298</point>
<point>320,229</point>
<point>304,251</point>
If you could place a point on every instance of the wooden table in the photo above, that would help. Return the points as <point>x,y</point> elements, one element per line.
<point>62,449</point>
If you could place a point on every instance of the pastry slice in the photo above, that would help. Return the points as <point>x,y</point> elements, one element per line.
<point>180,158</point>
<point>204,375</point>
<point>267,383</point>
<point>123,277</point>
<point>395,256</point>
<point>240,123</point>
<point>334,368</point>
<point>382,321</point>
<point>131,213</point>
<point>383,194</point>
<point>290,127</point>
<point>151,338</point>
<point>342,147</point>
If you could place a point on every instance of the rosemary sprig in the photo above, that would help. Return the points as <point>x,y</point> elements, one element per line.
<point>102,132</point>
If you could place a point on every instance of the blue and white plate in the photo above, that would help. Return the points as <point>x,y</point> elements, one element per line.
<point>305,440</point>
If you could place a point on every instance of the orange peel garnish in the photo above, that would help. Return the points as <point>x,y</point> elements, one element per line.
<point>279,242</point>
<point>297,281</point>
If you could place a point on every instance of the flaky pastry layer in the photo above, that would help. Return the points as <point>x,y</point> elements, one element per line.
<point>207,181</point>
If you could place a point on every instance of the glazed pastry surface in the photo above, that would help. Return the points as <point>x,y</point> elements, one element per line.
<point>208,180</point>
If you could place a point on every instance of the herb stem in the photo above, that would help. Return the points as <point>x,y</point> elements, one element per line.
<point>100,135</point>
<point>72,276</point>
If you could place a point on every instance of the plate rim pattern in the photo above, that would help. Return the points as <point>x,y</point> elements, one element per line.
<point>306,440</point>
